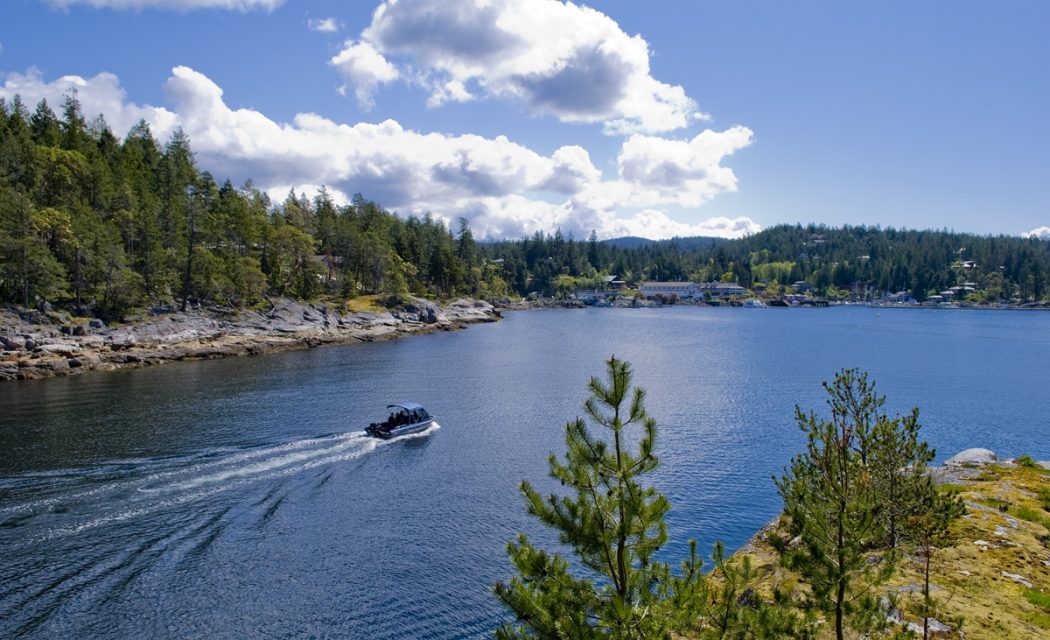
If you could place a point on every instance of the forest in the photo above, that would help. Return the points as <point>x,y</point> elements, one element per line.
<point>106,226</point>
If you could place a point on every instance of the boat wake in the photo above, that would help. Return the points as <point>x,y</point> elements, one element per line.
<point>65,502</point>
<point>120,526</point>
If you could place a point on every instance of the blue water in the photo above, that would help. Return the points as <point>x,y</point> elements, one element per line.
<point>238,498</point>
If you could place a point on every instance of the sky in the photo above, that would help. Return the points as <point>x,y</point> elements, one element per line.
<point>653,118</point>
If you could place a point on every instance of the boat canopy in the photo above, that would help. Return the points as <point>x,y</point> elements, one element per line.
<point>407,406</point>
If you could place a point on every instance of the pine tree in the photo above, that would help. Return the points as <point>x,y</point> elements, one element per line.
<point>928,527</point>
<point>613,524</point>
<point>897,466</point>
<point>831,507</point>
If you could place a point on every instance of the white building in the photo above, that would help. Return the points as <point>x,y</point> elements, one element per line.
<point>683,290</point>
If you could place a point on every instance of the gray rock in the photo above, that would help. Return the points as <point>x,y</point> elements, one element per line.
<point>972,457</point>
<point>64,349</point>
<point>1018,579</point>
<point>79,330</point>
<point>29,344</point>
<point>58,366</point>
<point>95,323</point>
<point>933,625</point>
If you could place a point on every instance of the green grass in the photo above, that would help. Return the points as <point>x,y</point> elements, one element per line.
<point>1038,598</point>
<point>1025,461</point>
<point>954,488</point>
<point>1031,515</point>
<point>1041,600</point>
<point>1044,497</point>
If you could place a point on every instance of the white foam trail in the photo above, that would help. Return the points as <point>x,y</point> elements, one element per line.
<point>271,464</point>
<point>348,447</point>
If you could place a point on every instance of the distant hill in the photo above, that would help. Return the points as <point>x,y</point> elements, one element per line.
<point>695,243</point>
<point>628,242</point>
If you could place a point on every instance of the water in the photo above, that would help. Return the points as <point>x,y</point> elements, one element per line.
<point>239,498</point>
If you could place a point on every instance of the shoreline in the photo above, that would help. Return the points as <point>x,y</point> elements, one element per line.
<point>46,344</point>
<point>994,559</point>
<point>38,345</point>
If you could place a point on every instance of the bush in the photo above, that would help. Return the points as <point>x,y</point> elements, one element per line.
<point>1025,461</point>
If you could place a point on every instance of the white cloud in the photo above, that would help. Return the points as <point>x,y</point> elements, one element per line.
<point>504,188</point>
<point>1043,233</point>
<point>174,5</point>
<point>100,94</point>
<point>681,172</point>
<point>364,68</point>
<point>656,224</point>
<point>324,25</point>
<point>555,58</point>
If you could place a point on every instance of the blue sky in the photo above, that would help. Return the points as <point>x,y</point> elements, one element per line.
<point>653,118</point>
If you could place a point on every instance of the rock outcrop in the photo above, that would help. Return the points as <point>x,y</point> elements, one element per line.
<point>39,344</point>
<point>972,457</point>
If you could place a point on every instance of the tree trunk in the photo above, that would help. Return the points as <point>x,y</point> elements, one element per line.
<point>187,276</point>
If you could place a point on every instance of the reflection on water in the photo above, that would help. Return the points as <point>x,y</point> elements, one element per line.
<point>198,500</point>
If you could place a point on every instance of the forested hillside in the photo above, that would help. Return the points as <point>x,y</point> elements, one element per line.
<point>109,225</point>
<point>89,218</point>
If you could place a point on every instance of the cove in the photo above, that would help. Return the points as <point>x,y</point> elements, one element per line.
<point>237,497</point>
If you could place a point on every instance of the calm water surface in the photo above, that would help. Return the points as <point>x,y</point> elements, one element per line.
<point>238,498</point>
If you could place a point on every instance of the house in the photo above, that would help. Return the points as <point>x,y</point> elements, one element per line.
<point>329,266</point>
<point>681,290</point>
<point>591,297</point>
<point>901,297</point>
<point>722,289</point>
<point>613,282</point>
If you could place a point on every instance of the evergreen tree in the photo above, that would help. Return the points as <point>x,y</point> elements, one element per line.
<point>613,524</point>
<point>897,467</point>
<point>47,131</point>
<point>928,527</point>
<point>832,508</point>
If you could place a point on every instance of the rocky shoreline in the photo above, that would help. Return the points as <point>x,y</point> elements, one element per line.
<point>42,344</point>
<point>985,576</point>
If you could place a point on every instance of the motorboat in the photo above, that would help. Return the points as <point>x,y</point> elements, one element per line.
<point>405,418</point>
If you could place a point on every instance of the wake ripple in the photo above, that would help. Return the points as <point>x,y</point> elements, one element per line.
<point>81,538</point>
<point>67,502</point>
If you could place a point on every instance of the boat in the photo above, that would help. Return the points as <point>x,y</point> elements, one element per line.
<point>405,418</point>
<point>754,303</point>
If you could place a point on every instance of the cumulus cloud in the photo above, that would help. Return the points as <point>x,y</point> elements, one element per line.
<point>176,5</point>
<point>364,68</point>
<point>687,173</point>
<point>1043,233</point>
<point>555,58</point>
<point>656,224</point>
<point>324,25</point>
<point>506,189</point>
<point>99,94</point>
